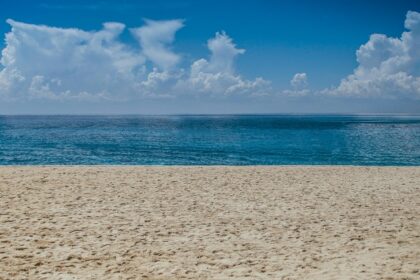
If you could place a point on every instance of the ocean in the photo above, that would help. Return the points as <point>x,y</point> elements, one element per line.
<point>211,140</point>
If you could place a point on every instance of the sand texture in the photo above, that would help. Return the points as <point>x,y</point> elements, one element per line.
<point>209,222</point>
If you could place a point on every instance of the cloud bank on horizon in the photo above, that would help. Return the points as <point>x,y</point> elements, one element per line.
<point>48,62</point>
<point>43,62</point>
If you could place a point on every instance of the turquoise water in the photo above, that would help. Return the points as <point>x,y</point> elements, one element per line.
<point>210,140</point>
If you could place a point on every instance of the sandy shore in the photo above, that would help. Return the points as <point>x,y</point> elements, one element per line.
<point>209,223</point>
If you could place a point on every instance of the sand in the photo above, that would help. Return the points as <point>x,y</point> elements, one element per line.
<point>209,222</point>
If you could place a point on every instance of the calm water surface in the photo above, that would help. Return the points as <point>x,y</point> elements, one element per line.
<point>208,140</point>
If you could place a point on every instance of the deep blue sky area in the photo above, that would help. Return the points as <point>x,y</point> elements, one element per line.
<point>281,38</point>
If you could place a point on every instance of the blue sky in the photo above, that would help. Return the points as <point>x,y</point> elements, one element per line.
<point>315,40</point>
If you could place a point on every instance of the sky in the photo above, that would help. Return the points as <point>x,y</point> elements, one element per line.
<point>209,57</point>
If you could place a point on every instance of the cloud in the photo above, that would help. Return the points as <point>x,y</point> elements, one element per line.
<point>44,62</point>
<point>388,67</point>
<point>161,83</point>
<point>154,39</point>
<point>41,61</point>
<point>217,75</point>
<point>299,80</point>
<point>299,84</point>
<point>223,52</point>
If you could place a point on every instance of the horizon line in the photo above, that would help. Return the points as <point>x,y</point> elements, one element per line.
<point>216,114</point>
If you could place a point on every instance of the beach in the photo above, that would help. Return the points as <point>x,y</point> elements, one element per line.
<point>215,222</point>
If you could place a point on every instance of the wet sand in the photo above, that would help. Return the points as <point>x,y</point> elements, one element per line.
<point>275,222</point>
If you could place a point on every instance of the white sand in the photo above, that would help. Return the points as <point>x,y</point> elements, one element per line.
<point>209,222</point>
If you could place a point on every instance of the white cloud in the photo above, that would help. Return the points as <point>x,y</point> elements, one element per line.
<point>161,83</point>
<point>388,67</point>
<point>223,52</point>
<point>42,61</point>
<point>299,84</point>
<point>299,81</point>
<point>46,62</point>
<point>154,39</point>
<point>217,75</point>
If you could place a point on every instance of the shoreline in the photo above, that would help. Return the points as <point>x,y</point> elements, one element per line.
<point>209,222</point>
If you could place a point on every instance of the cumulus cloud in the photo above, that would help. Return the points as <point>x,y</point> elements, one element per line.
<point>47,62</point>
<point>299,85</point>
<point>299,80</point>
<point>223,52</point>
<point>216,75</point>
<point>155,38</point>
<point>161,83</point>
<point>388,67</point>
<point>42,61</point>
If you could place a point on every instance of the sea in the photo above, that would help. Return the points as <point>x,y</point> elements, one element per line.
<point>385,140</point>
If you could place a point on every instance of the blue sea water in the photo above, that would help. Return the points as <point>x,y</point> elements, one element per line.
<point>210,140</point>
